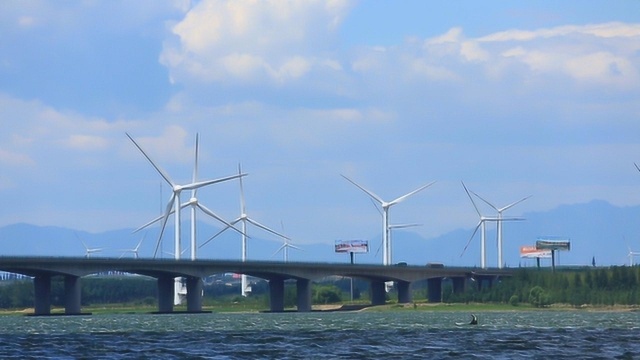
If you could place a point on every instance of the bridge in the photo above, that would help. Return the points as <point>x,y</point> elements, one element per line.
<point>72,269</point>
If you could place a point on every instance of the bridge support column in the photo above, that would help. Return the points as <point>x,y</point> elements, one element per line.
<point>194,294</point>
<point>165,294</point>
<point>72,295</point>
<point>484,280</point>
<point>434,290</point>
<point>404,292</point>
<point>378,293</point>
<point>459,284</point>
<point>303,291</point>
<point>42,292</point>
<point>276,295</point>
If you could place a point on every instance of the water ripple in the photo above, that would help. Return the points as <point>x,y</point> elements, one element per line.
<point>362,335</point>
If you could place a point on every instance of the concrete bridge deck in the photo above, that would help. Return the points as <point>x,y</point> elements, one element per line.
<point>165,270</point>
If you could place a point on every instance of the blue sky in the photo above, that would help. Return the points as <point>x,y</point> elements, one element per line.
<point>514,98</point>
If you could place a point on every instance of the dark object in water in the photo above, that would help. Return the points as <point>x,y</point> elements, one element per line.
<point>474,320</point>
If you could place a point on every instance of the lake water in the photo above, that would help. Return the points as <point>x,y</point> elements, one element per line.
<point>341,335</point>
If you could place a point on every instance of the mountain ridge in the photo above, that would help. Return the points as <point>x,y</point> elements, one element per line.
<point>596,229</point>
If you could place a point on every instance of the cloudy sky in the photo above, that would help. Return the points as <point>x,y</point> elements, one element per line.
<point>513,98</point>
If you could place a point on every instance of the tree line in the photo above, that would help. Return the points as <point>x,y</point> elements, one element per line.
<point>616,285</point>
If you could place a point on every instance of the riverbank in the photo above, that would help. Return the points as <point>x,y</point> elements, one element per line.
<point>255,308</point>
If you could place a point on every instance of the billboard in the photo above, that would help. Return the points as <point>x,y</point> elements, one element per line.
<point>352,246</point>
<point>532,252</point>
<point>553,244</point>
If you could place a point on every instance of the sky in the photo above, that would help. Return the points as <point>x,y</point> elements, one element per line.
<point>537,98</point>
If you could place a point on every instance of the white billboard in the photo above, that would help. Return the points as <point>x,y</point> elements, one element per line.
<point>352,246</point>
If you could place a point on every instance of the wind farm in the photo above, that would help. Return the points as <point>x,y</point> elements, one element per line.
<point>382,206</point>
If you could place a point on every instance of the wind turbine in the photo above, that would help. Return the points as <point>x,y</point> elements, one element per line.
<point>285,248</point>
<point>499,222</point>
<point>481,224</point>
<point>174,201</point>
<point>386,250</point>
<point>194,204</point>
<point>134,251</point>
<point>244,218</point>
<point>88,250</point>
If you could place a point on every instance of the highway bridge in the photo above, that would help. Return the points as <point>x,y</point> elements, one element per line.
<point>72,269</point>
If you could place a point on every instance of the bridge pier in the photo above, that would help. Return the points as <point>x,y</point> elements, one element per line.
<point>42,292</point>
<point>194,294</point>
<point>434,290</point>
<point>303,291</point>
<point>276,295</point>
<point>378,293</point>
<point>482,280</point>
<point>165,294</point>
<point>72,295</point>
<point>404,292</point>
<point>459,284</point>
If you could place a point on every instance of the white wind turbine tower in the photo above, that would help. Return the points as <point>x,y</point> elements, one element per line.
<point>499,222</point>
<point>194,204</point>
<point>631,255</point>
<point>386,251</point>
<point>244,218</point>
<point>391,228</point>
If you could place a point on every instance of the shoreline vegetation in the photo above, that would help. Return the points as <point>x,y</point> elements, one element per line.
<point>111,309</point>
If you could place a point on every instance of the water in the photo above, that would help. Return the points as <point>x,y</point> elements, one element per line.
<point>354,335</point>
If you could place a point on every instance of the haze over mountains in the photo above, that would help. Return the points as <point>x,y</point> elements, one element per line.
<point>596,230</point>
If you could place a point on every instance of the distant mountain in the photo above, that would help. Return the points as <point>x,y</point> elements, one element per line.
<point>595,229</point>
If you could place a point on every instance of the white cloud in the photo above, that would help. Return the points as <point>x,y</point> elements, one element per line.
<point>245,39</point>
<point>10,158</point>
<point>86,142</point>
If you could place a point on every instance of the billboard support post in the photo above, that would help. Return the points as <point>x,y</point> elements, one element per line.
<point>553,244</point>
<point>352,247</point>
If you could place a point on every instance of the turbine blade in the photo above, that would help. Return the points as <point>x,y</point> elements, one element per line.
<point>403,197</point>
<point>637,167</point>
<point>162,173</point>
<point>471,198</point>
<point>471,238</point>
<point>220,232</point>
<point>371,194</point>
<point>242,203</point>
<point>158,218</point>
<point>139,243</point>
<point>488,203</point>
<point>200,184</point>
<point>294,247</point>
<point>149,223</point>
<point>402,226</point>
<point>207,211</point>
<point>263,227</point>
<point>376,206</point>
<point>514,204</point>
<point>279,249</point>
<point>164,222</point>
<point>195,169</point>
